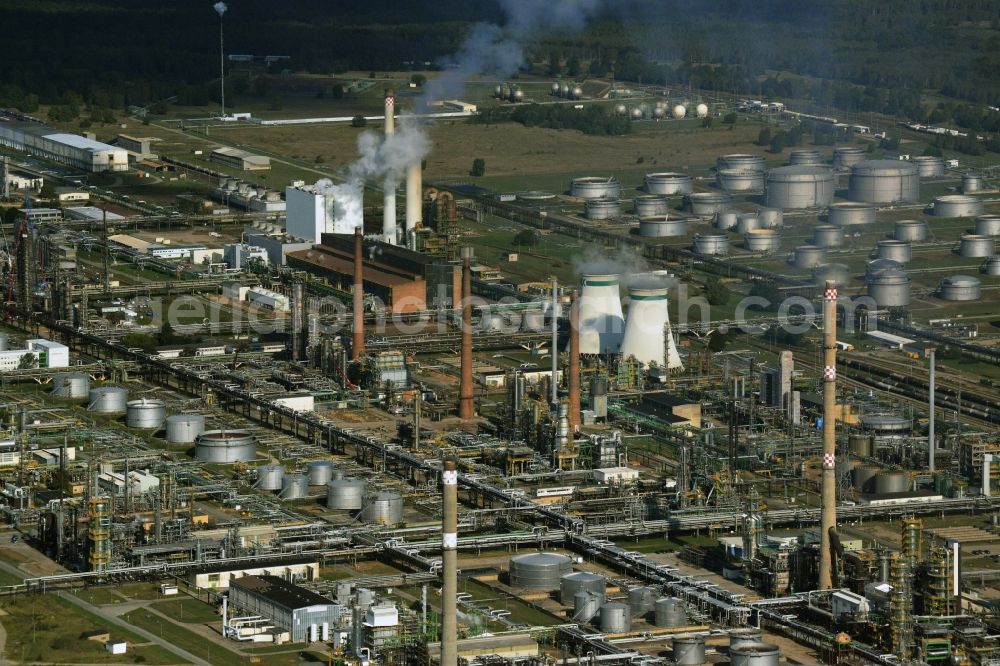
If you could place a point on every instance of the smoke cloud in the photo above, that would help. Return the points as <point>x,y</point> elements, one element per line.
<point>220,7</point>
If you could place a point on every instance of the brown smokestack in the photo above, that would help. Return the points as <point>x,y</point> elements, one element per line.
<point>466,402</point>
<point>449,564</point>
<point>573,383</point>
<point>358,345</point>
<point>828,514</point>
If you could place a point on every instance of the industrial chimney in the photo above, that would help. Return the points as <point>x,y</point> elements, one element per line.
<point>828,488</point>
<point>414,202</point>
<point>601,320</point>
<point>358,344</point>
<point>298,308</point>
<point>389,199</point>
<point>466,401</point>
<point>449,563</point>
<point>647,328</point>
<point>573,381</point>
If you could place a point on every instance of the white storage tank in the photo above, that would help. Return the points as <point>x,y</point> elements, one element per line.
<point>603,208</point>
<point>739,180</point>
<point>538,571</point>
<point>576,581</point>
<point>879,266</point>
<point>884,181</point>
<point>991,266</point>
<point>988,225</point>
<point>741,161</point>
<point>747,222</point>
<point>808,256</point>
<point>828,235</point>
<point>662,226</point>
<point>383,508</point>
<point>649,205</point>
<point>71,385</point>
<point>294,486</point>
<point>957,205</point>
<point>960,288</point>
<point>849,213</point>
<point>586,606</point>
<point>346,494</point>
<point>145,413</point>
<point>847,156</point>
<point>929,166</point>
<point>913,231</point>
<point>771,218</point>
<point>808,157</point>
<point>712,243</point>
<point>754,654</point>
<point>269,477</point>
<point>320,472</point>
<point>184,428</point>
<point>669,612</point>
<point>973,245</point>
<point>766,241</point>
<point>225,446</point>
<point>797,187</point>
<point>108,400</point>
<point>615,618</point>
<point>668,183</point>
<point>591,187</point>
<point>726,220</point>
<point>689,650</point>
<point>707,204</point>
<point>896,250</point>
<point>642,599</point>
<point>890,288</point>
<point>744,636</point>
<point>971,182</point>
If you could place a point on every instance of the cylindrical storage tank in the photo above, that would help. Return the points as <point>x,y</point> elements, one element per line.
<point>662,226</point>
<point>890,288</point>
<point>988,225</point>
<point>602,209</point>
<point>960,288</point>
<point>346,494</point>
<point>108,400</point>
<point>794,187</point>
<point>184,428</point>
<point>878,266</point>
<point>991,266</point>
<point>839,274</point>
<point>319,472</point>
<point>586,606</point>
<point>847,156</point>
<point>771,218</point>
<point>615,618</point>
<point>891,482</point>
<point>971,182</point>
<point>974,245</point>
<point>595,188</point>
<point>383,508</point>
<point>576,581</point>
<point>884,181</point>
<point>669,612</point>
<point>739,180</point>
<point>4,342</point>
<point>957,205</point>
<point>741,161</point>
<point>929,166</point>
<point>863,477</point>
<point>225,446</point>
<point>145,413</point>
<point>294,486</point>
<point>762,240</point>
<point>269,477</point>
<point>828,235</point>
<point>650,204</point>
<point>739,637</point>
<point>808,256</point>
<point>895,250</point>
<point>72,385</point>
<point>668,183</point>
<point>726,220</point>
<point>860,444</point>
<point>715,244</point>
<point>641,600</point>
<point>849,213</point>
<point>886,424</point>
<point>747,222</point>
<point>707,204</point>
<point>538,571</point>
<point>689,650</point>
<point>810,157</point>
<point>912,231</point>
<point>754,654</point>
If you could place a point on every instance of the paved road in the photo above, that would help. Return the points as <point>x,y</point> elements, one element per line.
<point>151,637</point>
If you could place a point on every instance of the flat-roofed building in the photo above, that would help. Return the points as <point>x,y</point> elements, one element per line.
<point>241,159</point>
<point>72,149</point>
<point>307,616</point>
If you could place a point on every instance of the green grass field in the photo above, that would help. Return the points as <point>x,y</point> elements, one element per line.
<point>187,610</point>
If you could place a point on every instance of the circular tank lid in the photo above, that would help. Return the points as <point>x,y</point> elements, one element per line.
<point>891,275</point>
<point>810,249</point>
<point>541,559</point>
<point>885,422</point>
<point>976,237</point>
<point>583,577</point>
<point>710,196</point>
<point>711,235</point>
<point>740,171</point>
<point>762,232</point>
<point>884,168</point>
<point>801,172</point>
<point>754,648</point>
<point>224,435</point>
<point>600,279</point>
<point>667,175</point>
<point>912,223</point>
<point>892,242</point>
<point>595,180</point>
<point>960,281</point>
<point>851,205</point>
<point>955,199</point>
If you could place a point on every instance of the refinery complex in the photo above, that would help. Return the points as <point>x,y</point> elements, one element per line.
<point>731,404</point>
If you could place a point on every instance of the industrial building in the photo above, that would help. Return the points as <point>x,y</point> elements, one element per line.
<point>91,213</point>
<point>306,615</point>
<point>311,213</point>
<point>74,150</point>
<point>218,577</point>
<point>241,159</point>
<point>46,354</point>
<point>239,255</point>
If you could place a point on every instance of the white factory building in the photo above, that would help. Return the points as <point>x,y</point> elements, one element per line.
<point>48,354</point>
<point>269,299</point>
<point>239,255</point>
<point>72,149</point>
<point>310,214</point>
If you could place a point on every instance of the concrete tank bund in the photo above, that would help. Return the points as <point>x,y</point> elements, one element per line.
<point>845,214</point>
<point>800,186</point>
<point>591,187</point>
<point>957,205</point>
<point>960,288</point>
<point>884,181</point>
<point>538,571</point>
<point>668,183</point>
<point>225,446</point>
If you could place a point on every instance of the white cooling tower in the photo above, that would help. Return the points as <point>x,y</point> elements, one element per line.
<point>601,320</point>
<point>647,329</point>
